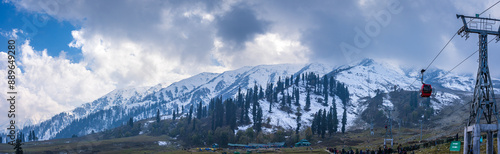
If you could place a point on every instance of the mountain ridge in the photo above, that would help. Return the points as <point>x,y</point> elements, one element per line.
<point>362,79</point>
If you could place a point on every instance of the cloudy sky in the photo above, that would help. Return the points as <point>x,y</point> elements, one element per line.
<point>72,52</point>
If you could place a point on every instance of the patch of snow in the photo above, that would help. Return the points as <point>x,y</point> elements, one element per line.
<point>162,143</point>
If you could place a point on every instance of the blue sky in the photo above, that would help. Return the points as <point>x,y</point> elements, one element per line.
<point>117,44</point>
<point>53,35</point>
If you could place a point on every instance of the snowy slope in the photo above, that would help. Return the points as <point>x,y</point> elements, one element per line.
<point>362,79</point>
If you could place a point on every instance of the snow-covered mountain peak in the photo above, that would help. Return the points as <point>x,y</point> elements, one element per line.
<point>362,80</point>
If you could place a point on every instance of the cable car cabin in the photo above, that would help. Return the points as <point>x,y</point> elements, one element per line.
<point>426,90</point>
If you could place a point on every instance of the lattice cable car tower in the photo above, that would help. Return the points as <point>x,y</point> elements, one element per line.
<point>483,106</point>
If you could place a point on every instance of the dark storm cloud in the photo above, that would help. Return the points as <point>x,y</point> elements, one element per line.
<point>240,25</point>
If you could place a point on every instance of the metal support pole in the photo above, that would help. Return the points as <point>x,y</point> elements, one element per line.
<point>489,143</point>
<point>498,141</point>
<point>475,139</point>
<point>466,140</point>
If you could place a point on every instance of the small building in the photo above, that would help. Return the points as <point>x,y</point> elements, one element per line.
<point>237,146</point>
<point>277,145</point>
<point>303,143</point>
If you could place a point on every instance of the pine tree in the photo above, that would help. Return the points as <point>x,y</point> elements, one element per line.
<point>308,100</point>
<point>334,117</point>
<point>158,116</point>
<point>131,122</point>
<point>194,124</point>
<point>190,115</point>
<point>239,102</point>
<point>270,107</point>
<point>288,100</point>
<point>330,122</point>
<point>199,111</point>
<point>254,112</point>
<point>324,124</point>
<point>219,112</point>
<point>205,111</point>
<point>297,97</point>
<point>17,146</point>
<point>258,120</point>
<point>298,120</point>
<point>34,136</point>
<point>331,87</point>
<point>174,114</point>
<point>230,114</point>
<point>344,119</point>
<point>319,122</point>
<point>325,89</point>
<point>29,136</point>
<point>314,124</point>
<point>297,79</point>
<point>1,140</point>
<point>261,92</point>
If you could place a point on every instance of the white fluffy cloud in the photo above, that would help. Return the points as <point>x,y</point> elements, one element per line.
<point>48,85</point>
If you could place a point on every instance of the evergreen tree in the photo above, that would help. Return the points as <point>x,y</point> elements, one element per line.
<point>335,120</point>
<point>34,136</point>
<point>283,99</point>
<point>261,92</point>
<point>246,118</point>
<point>287,81</point>
<point>1,140</point>
<point>239,100</point>
<point>259,120</point>
<point>174,114</point>
<point>190,115</point>
<point>298,120</point>
<point>344,119</point>
<point>308,100</point>
<point>324,124</point>
<point>17,146</point>
<point>325,89</point>
<point>205,111</point>
<point>297,97</point>
<point>219,112</point>
<point>331,87</point>
<point>288,100</point>
<point>194,124</point>
<point>314,124</point>
<point>319,123</point>
<point>131,122</point>
<point>158,116</point>
<point>297,79</point>
<point>254,112</point>
<point>230,114</point>
<point>270,107</point>
<point>29,137</point>
<point>330,122</point>
<point>199,111</point>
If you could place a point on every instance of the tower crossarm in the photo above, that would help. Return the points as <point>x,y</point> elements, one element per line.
<point>479,25</point>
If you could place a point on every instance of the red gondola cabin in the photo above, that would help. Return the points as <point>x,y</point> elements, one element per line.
<point>426,90</point>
